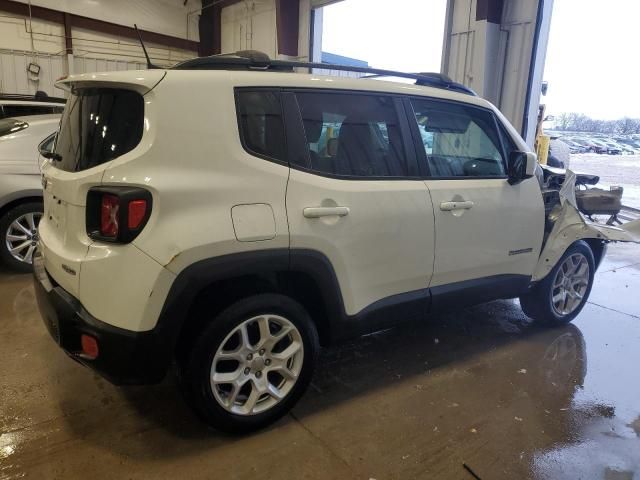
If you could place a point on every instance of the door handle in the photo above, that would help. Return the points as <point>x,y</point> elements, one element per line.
<point>317,212</point>
<point>449,206</point>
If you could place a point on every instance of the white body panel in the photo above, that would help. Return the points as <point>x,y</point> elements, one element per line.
<point>382,247</point>
<point>19,169</point>
<point>202,176</point>
<point>501,232</point>
<point>19,150</point>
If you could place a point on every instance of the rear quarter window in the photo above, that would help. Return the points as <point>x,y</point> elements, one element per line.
<point>99,125</point>
<point>261,123</point>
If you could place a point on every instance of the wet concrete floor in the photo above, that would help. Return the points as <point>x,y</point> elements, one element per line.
<point>481,386</point>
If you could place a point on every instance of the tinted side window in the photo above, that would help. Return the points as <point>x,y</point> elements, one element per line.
<point>48,143</point>
<point>24,110</point>
<point>459,140</point>
<point>261,124</point>
<point>507,141</point>
<point>353,135</point>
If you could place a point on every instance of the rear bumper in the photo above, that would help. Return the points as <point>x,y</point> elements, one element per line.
<point>125,357</point>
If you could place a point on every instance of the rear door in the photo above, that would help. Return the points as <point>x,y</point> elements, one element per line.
<point>488,232</point>
<point>355,195</point>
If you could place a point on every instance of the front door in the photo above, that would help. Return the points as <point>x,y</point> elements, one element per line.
<point>488,232</point>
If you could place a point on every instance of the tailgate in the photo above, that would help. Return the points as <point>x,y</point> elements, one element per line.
<point>103,120</point>
<point>63,239</point>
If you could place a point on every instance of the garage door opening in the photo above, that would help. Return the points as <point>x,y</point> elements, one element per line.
<point>593,112</point>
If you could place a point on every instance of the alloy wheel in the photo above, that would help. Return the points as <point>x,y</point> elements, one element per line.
<point>257,365</point>
<point>22,236</point>
<point>570,284</point>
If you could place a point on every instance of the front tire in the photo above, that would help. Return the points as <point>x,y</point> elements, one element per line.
<point>251,364</point>
<point>19,236</point>
<point>560,296</point>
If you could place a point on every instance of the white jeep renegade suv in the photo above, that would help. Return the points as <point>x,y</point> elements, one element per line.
<point>230,217</point>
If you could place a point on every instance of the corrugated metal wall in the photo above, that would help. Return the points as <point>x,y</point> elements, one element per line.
<point>88,64</point>
<point>495,59</point>
<point>14,77</point>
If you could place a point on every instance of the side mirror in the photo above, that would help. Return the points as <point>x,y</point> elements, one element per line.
<point>522,165</point>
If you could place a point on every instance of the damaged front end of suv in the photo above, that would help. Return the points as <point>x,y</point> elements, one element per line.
<point>569,220</point>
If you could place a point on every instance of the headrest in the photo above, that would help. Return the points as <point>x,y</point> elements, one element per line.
<point>313,129</point>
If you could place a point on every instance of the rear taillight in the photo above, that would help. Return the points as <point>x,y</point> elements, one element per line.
<point>109,207</point>
<point>137,213</point>
<point>117,214</point>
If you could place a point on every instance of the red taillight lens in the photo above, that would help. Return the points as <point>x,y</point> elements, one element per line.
<point>137,213</point>
<point>109,215</point>
<point>117,213</point>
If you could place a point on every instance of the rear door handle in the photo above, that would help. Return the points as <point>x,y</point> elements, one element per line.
<point>449,206</point>
<point>317,212</point>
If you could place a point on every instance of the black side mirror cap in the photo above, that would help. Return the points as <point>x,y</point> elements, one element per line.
<point>521,166</point>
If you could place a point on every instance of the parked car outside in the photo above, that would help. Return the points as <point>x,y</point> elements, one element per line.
<point>590,145</point>
<point>574,146</point>
<point>613,148</point>
<point>599,146</point>
<point>21,186</point>
<point>198,216</point>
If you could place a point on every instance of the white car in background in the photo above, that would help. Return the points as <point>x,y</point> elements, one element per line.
<point>20,185</point>
<point>18,105</point>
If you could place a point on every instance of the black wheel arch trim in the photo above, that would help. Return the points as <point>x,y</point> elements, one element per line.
<point>381,314</point>
<point>191,281</point>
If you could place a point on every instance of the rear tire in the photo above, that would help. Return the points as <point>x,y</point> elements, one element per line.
<point>251,364</point>
<point>18,228</point>
<point>559,297</point>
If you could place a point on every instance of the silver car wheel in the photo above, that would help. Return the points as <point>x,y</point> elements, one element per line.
<point>22,236</point>
<point>570,284</point>
<point>257,365</point>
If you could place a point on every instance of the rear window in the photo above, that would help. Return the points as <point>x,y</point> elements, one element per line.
<point>11,125</point>
<point>97,126</point>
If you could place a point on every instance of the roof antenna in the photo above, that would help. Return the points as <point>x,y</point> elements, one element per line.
<point>149,64</point>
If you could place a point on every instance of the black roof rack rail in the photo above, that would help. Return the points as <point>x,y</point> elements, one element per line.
<point>259,61</point>
<point>39,96</point>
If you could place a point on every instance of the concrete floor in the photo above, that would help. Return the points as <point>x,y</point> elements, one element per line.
<point>479,386</point>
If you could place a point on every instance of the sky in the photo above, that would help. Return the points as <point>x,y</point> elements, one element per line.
<point>592,64</point>
<point>387,37</point>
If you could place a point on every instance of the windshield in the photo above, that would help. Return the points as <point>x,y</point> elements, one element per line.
<point>98,125</point>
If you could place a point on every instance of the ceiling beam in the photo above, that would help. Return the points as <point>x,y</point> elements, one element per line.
<point>288,26</point>
<point>64,18</point>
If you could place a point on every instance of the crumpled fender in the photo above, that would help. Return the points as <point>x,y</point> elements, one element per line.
<point>572,226</point>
